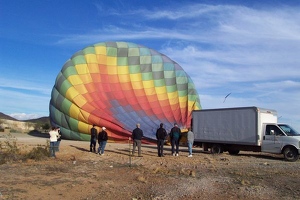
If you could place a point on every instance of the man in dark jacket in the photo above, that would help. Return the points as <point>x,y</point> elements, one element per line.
<point>93,139</point>
<point>161,135</point>
<point>175,136</point>
<point>102,140</point>
<point>137,135</point>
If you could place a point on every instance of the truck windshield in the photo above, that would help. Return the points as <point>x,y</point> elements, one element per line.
<point>289,131</point>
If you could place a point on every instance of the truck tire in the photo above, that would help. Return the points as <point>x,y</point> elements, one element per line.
<point>290,154</point>
<point>233,152</point>
<point>216,149</point>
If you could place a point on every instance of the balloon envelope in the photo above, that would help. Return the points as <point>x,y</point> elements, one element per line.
<point>117,85</point>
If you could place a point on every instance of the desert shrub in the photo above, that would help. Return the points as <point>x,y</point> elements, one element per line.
<point>14,131</point>
<point>38,153</point>
<point>9,145</point>
<point>10,152</point>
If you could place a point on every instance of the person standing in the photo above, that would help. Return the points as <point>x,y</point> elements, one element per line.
<point>161,135</point>
<point>58,139</point>
<point>53,139</point>
<point>175,136</point>
<point>190,141</point>
<point>102,140</point>
<point>93,139</point>
<point>137,135</point>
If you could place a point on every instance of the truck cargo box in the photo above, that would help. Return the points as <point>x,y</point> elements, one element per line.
<point>240,125</point>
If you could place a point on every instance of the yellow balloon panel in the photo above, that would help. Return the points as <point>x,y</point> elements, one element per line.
<point>91,58</point>
<point>81,69</point>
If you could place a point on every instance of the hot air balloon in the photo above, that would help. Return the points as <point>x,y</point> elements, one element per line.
<point>119,84</point>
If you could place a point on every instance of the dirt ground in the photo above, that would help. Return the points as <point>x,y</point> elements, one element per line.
<point>78,174</point>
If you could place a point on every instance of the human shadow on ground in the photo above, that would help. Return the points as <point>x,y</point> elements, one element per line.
<point>36,133</point>
<point>80,148</point>
<point>118,151</point>
<point>275,157</point>
<point>199,150</point>
<point>168,148</point>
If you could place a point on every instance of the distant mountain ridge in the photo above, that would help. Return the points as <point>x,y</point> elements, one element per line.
<point>42,120</point>
<point>4,116</point>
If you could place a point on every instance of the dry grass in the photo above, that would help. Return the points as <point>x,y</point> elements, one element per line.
<point>12,152</point>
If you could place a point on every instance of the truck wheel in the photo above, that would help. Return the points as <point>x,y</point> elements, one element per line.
<point>216,149</point>
<point>234,152</point>
<point>290,154</point>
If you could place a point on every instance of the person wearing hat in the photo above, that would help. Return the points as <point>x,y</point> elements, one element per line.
<point>137,135</point>
<point>102,140</point>
<point>175,136</point>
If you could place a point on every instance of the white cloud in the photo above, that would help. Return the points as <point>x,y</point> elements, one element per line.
<point>24,116</point>
<point>182,12</point>
<point>280,85</point>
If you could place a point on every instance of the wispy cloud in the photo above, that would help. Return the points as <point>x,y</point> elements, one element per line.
<point>27,102</point>
<point>27,86</point>
<point>188,11</point>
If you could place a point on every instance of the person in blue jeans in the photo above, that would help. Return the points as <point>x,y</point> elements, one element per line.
<point>53,140</point>
<point>175,136</point>
<point>58,139</point>
<point>190,141</point>
<point>102,140</point>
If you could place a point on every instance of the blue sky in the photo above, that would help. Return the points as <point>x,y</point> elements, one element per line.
<point>247,48</point>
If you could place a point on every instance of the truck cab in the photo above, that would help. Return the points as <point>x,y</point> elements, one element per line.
<point>281,138</point>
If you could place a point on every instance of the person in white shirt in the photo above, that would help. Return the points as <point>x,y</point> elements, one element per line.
<point>53,139</point>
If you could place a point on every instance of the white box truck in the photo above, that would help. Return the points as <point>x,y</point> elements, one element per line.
<point>244,129</point>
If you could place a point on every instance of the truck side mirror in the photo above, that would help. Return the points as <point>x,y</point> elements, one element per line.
<point>272,132</point>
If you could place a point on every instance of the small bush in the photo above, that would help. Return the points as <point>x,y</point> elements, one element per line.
<point>38,153</point>
<point>11,153</point>
<point>10,145</point>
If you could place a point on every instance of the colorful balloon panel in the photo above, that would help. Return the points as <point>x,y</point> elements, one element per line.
<point>119,84</point>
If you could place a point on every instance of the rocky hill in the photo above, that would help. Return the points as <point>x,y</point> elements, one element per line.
<point>41,120</point>
<point>4,116</point>
<point>8,123</point>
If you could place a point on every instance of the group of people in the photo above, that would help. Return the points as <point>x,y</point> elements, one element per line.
<point>161,136</point>
<point>137,135</point>
<point>175,136</point>
<point>102,138</point>
<point>55,138</point>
